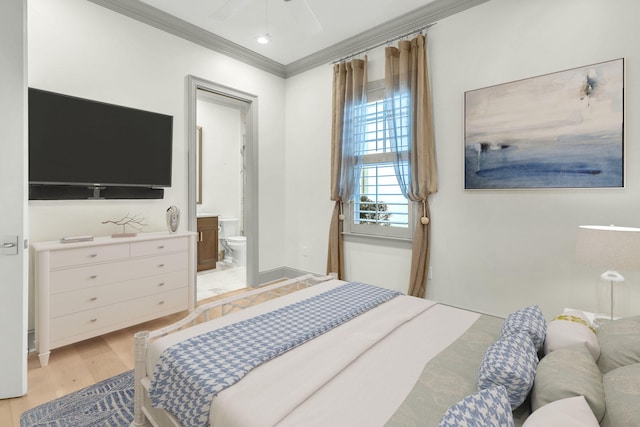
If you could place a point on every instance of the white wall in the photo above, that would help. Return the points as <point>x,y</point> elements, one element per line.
<point>82,49</point>
<point>492,251</point>
<point>221,159</point>
<point>308,136</point>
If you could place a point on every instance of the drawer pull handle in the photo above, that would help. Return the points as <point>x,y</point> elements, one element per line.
<point>93,255</point>
<point>160,265</point>
<point>93,276</point>
<point>161,284</point>
<point>93,320</point>
<point>94,298</point>
<point>161,302</point>
<point>161,247</point>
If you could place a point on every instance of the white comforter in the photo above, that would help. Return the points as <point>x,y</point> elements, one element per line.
<point>357,374</point>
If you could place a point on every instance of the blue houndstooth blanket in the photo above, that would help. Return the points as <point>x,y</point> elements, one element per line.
<point>190,373</point>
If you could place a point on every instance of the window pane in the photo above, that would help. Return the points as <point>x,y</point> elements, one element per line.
<point>375,129</point>
<point>380,201</point>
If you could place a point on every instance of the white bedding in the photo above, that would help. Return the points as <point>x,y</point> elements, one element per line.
<point>357,374</point>
<point>371,389</point>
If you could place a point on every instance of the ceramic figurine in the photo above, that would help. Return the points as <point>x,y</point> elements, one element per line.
<point>173,218</point>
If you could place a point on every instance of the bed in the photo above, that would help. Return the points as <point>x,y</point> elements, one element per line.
<point>403,361</point>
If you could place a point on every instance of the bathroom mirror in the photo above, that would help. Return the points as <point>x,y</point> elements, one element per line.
<point>199,164</point>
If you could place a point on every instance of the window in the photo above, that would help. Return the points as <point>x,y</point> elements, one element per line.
<point>378,207</point>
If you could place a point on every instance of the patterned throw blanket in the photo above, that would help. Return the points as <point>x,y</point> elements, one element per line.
<point>189,374</point>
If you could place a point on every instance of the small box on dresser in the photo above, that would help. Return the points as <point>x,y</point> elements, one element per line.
<point>86,289</point>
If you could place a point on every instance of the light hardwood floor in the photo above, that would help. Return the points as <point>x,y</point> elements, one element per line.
<point>76,366</point>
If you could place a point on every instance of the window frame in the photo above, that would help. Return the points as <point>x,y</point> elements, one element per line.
<point>376,92</point>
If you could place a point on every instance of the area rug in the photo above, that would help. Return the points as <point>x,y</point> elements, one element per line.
<point>107,403</point>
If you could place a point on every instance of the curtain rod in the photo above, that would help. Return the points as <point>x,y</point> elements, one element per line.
<point>388,41</point>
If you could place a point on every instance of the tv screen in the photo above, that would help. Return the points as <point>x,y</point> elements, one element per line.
<point>75,141</point>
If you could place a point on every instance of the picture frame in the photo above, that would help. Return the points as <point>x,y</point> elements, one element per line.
<point>558,130</point>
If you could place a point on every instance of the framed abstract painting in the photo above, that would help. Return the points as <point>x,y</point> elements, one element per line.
<point>559,130</point>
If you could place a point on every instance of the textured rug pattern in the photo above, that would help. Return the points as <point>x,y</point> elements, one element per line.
<point>107,403</point>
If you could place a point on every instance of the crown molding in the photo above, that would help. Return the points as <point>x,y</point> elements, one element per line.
<point>426,15</point>
<point>429,14</point>
<point>157,18</point>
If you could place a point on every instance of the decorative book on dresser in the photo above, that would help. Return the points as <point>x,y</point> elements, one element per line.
<point>86,289</point>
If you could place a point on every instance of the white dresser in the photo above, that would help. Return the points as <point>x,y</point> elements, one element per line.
<point>86,289</point>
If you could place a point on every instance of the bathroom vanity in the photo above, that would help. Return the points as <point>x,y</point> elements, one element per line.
<point>207,242</point>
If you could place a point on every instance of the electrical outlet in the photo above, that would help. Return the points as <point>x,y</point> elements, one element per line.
<point>430,273</point>
<point>305,251</point>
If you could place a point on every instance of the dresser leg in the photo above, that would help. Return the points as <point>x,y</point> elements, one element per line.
<point>44,358</point>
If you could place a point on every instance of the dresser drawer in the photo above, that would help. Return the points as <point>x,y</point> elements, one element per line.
<point>70,279</point>
<point>77,326</point>
<point>160,264</point>
<point>155,247</point>
<point>98,296</point>
<point>88,255</point>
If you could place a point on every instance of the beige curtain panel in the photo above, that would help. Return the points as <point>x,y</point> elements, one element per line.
<point>406,72</point>
<point>349,89</point>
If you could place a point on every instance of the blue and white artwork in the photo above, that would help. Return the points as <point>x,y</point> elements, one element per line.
<point>560,130</point>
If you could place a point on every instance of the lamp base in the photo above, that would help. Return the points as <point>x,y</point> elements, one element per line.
<point>612,276</point>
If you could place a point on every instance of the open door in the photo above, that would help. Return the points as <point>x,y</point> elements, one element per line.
<point>13,184</point>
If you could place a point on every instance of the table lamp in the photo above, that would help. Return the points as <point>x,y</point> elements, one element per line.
<point>611,247</point>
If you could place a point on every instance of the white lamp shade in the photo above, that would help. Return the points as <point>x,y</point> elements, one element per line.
<point>616,248</point>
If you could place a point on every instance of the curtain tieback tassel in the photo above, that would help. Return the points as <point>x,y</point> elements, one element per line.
<point>424,220</point>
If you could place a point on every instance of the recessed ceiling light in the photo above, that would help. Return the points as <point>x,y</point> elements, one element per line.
<point>263,38</point>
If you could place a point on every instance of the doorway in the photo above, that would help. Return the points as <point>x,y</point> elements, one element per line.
<point>223,184</point>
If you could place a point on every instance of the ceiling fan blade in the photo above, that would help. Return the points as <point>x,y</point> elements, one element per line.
<point>304,16</point>
<point>228,9</point>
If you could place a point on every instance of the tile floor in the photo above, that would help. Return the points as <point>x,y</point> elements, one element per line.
<point>224,278</point>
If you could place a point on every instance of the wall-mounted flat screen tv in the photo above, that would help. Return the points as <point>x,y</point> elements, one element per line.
<point>80,142</point>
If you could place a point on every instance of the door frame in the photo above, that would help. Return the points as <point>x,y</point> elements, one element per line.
<point>250,163</point>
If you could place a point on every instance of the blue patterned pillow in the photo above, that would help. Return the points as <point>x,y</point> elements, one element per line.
<point>510,362</point>
<point>486,408</point>
<point>529,320</point>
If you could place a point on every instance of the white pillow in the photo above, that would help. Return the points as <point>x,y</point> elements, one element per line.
<point>568,329</point>
<point>569,412</point>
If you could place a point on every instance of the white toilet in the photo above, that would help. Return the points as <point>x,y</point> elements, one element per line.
<point>234,245</point>
<point>238,245</point>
